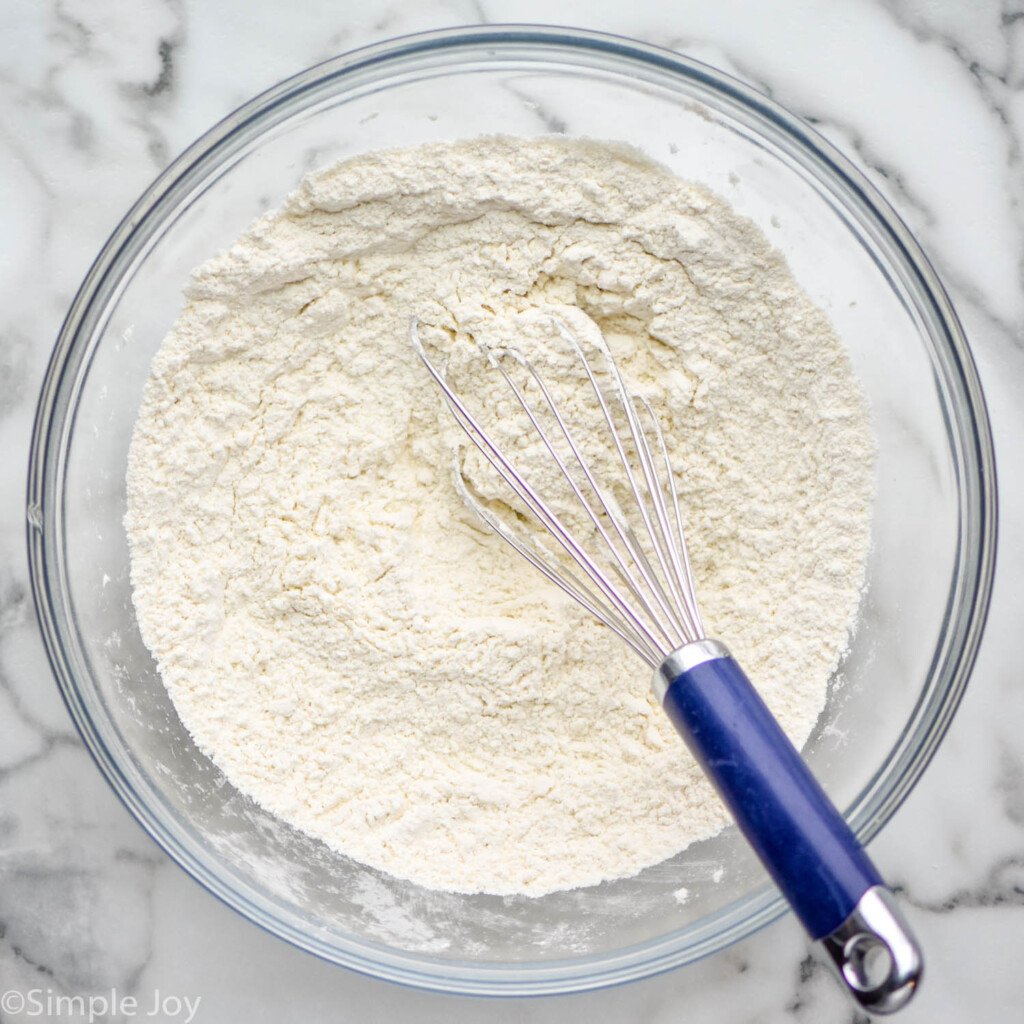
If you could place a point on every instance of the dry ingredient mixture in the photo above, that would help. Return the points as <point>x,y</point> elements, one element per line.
<point>348,643</point>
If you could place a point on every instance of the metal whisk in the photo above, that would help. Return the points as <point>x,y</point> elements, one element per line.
<point>625,560</point>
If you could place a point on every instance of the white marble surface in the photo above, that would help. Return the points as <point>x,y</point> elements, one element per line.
<point>97,95</point>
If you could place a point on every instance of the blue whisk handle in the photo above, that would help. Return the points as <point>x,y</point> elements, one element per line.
<point>800,837</point>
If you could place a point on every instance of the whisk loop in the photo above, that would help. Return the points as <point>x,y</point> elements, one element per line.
<point>640,588</point>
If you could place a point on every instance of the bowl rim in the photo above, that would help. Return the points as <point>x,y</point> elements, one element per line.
<point>55,414</point>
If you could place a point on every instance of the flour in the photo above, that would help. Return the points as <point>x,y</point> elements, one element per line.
<point>343,638</point>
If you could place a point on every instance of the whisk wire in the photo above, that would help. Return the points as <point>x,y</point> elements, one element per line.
<point>565,579</point>
<point>555,527</point>
<point>534,502</point>
<point>658,530</point>
<point>640,448</point>
<point>621,528</point>
<point>679,581</point>
<point>680,549</point>
<point>661,612</point>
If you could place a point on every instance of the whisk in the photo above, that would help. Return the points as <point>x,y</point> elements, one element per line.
<point>628,565</point>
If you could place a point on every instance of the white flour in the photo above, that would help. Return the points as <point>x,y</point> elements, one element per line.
<point>342,637</point>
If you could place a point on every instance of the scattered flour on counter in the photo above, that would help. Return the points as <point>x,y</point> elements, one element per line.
<point>347,642</point>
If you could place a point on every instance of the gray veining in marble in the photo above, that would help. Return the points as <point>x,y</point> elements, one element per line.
<point>96,96</point>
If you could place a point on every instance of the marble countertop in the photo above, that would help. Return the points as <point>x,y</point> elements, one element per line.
<point>96,96</point>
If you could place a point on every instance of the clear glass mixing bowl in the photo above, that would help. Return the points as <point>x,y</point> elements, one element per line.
<point>934,529</point>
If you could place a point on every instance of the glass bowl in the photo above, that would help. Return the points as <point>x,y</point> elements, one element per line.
<point>930,567</point>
